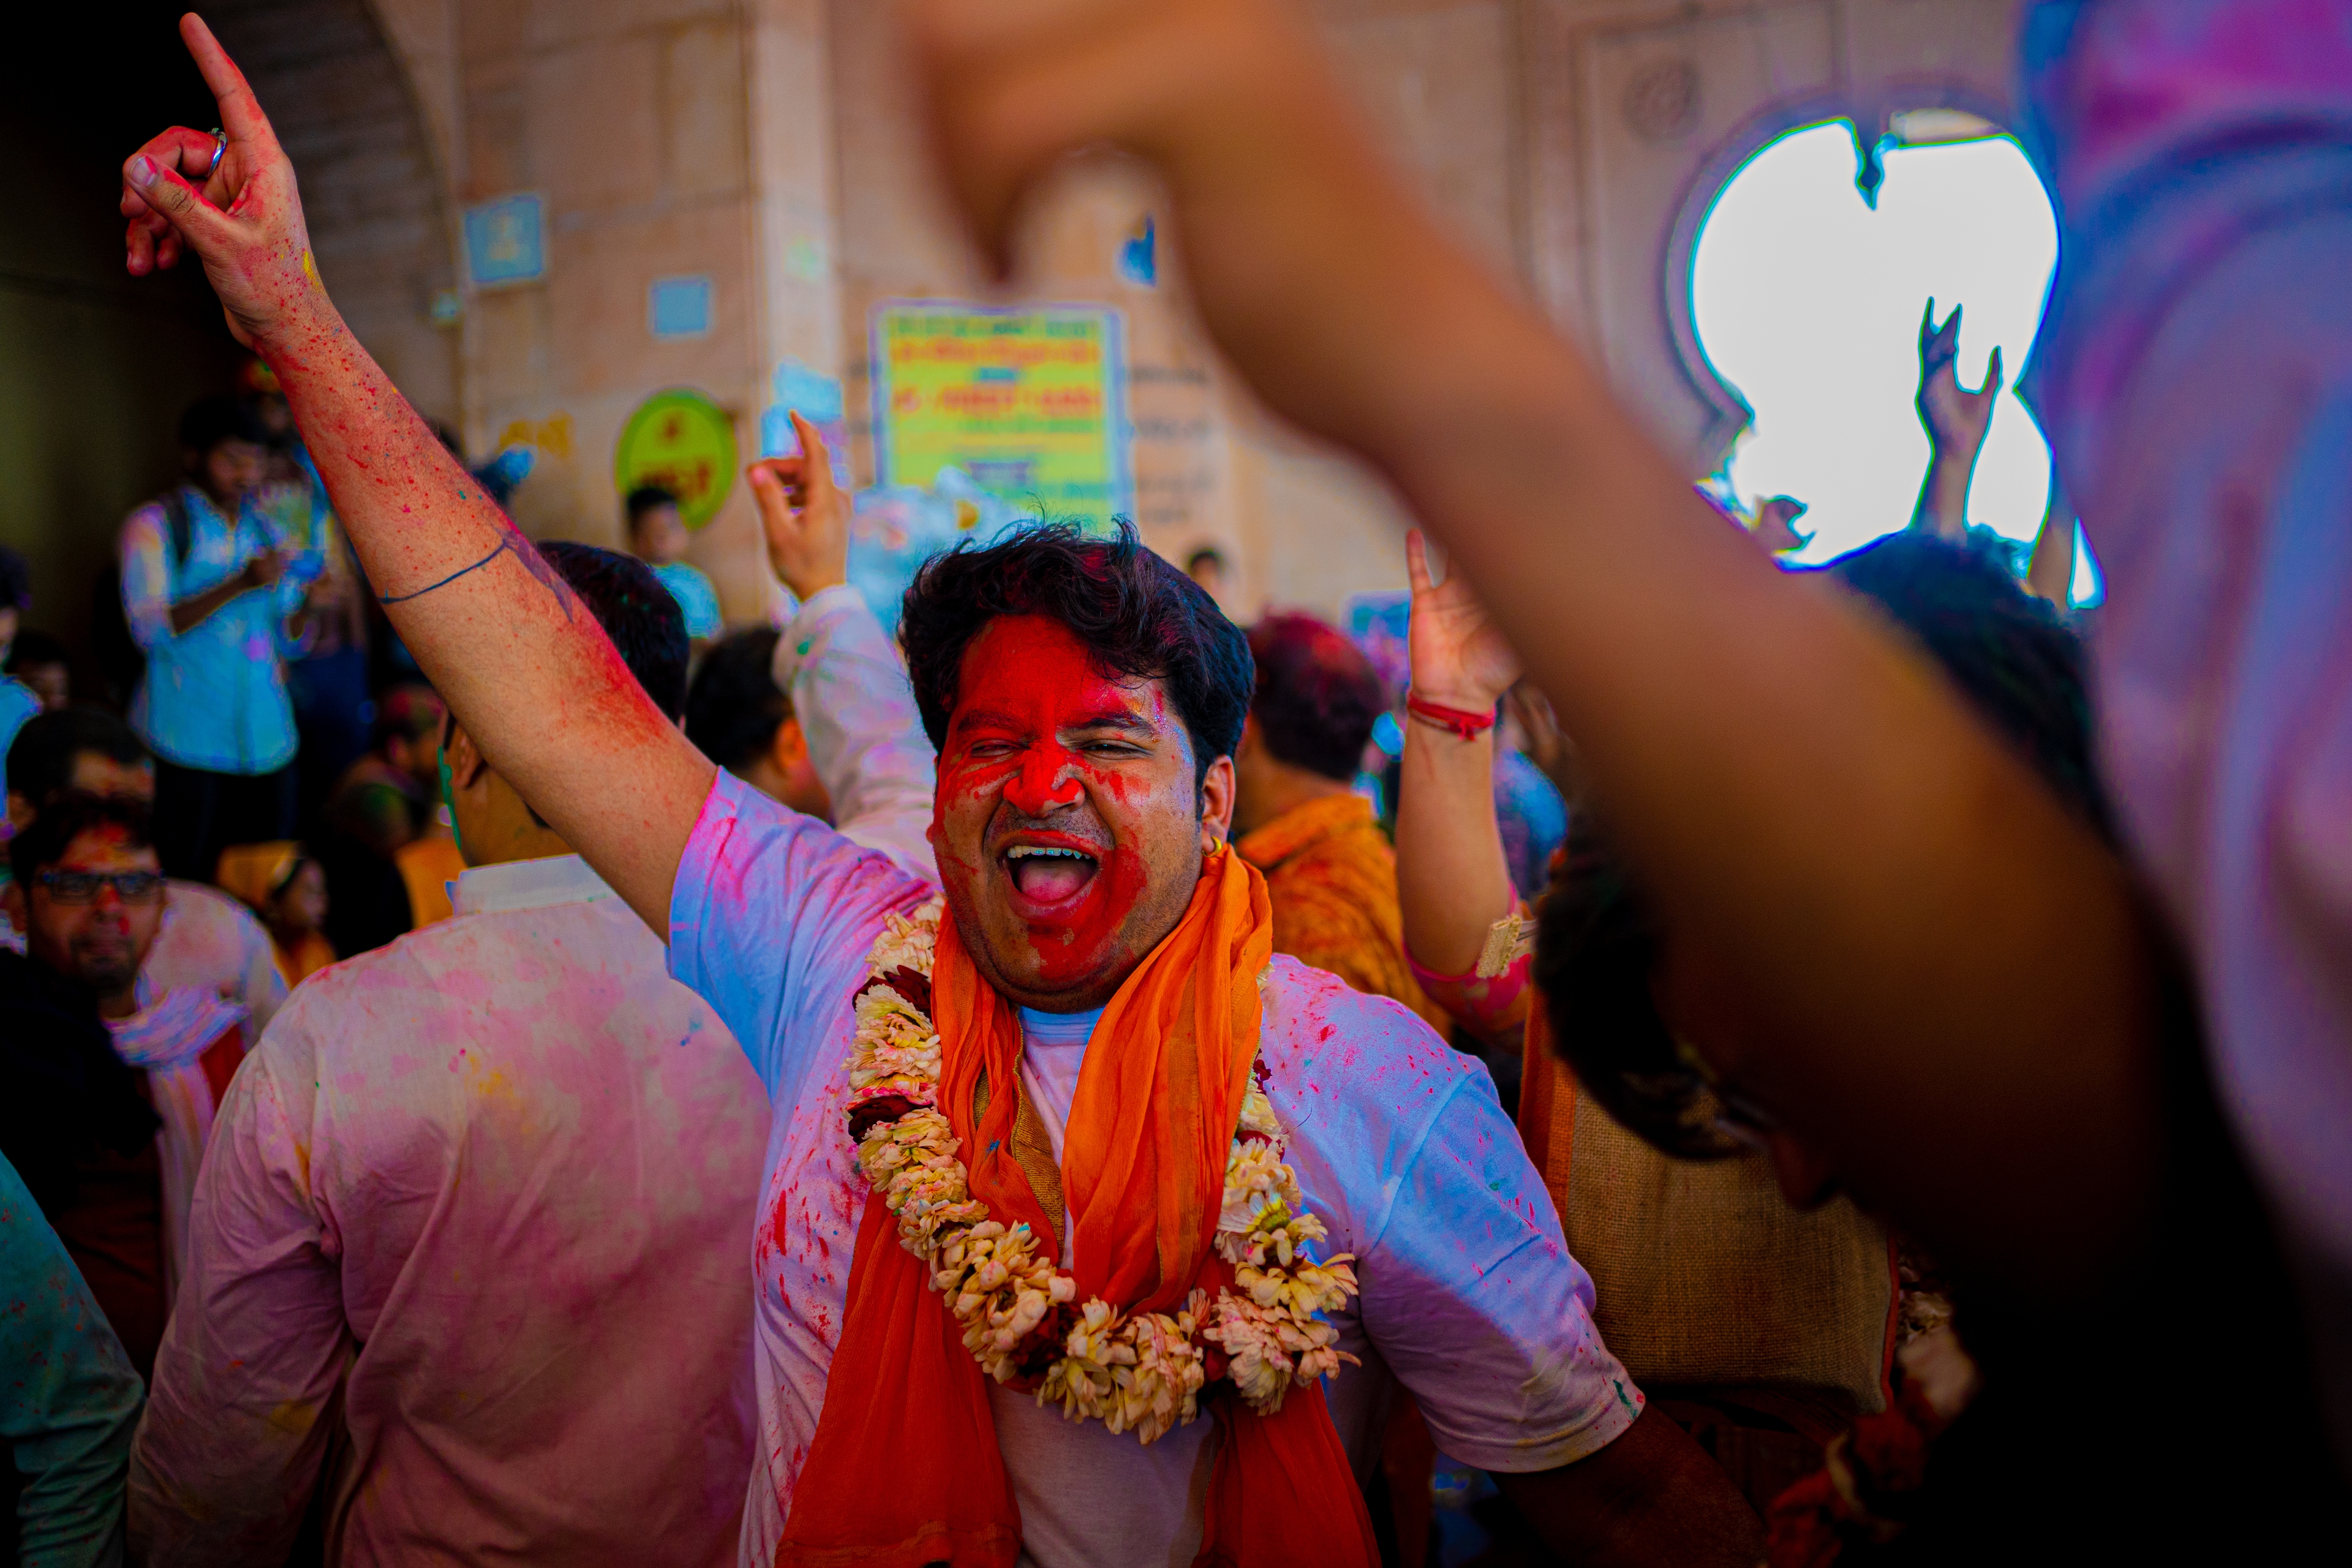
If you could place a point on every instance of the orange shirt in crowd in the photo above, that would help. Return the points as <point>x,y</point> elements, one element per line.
<point>308,955</point>
<point>427,867</point>
<point>1332,877</point>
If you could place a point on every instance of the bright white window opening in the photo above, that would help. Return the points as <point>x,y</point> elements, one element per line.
<point>1807,300</point>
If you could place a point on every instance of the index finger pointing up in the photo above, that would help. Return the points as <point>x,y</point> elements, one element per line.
<point>1416,561</point>
<point>240,112</point>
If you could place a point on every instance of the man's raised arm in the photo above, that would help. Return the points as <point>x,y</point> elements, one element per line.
<point>519,661</point>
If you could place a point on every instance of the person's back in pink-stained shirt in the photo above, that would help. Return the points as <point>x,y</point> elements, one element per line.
<point>473,1241</point>
<point>472,1247</point>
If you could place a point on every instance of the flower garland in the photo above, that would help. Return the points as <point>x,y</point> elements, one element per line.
<point>1021,1317</point>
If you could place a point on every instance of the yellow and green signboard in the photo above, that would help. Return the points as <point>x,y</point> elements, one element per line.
<point>683,442</point>
<point>1030,403</point>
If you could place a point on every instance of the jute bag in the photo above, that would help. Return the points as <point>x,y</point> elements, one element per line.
<point>1703,1275</point>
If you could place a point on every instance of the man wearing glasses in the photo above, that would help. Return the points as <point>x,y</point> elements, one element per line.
<point>108,1084</point>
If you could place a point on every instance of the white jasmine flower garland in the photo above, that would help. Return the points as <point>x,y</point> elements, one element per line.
<point>1142,1371</point>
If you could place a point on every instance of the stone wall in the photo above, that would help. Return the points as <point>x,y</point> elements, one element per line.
<point>770,145</point>
<point>372,188</point>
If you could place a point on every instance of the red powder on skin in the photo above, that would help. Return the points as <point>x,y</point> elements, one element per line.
<point>1025,682</point>
<point>1068,953</point>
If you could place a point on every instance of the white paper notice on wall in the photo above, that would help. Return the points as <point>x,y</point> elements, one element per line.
<point>679,307</point>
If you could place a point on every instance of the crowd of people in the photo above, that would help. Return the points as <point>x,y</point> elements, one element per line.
<point>501,1064</point>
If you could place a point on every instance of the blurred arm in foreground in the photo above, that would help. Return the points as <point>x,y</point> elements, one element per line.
<point>1965,1013</point>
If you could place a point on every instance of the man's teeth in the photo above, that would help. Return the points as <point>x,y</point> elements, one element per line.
<point>1024,851</point>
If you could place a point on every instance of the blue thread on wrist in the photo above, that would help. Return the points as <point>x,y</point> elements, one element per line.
<point>504,545</point>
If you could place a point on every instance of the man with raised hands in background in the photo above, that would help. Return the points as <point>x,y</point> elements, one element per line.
<point>1093,1143</point>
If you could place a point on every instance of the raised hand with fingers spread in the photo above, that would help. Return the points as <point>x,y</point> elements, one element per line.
<point>1957,421</point>
<point>1452,878</point>
<point>805,513</point>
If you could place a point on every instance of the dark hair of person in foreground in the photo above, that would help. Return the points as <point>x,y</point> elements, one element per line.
<point>41,758</point>
<point>1136,616</point>
<point>735,707</point>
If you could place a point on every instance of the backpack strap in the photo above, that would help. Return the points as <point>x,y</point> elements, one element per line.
<point>178,526</point>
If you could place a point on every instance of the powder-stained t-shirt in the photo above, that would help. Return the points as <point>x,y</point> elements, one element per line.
<point>480,1199</point>
<point>1470,1296</point>
<point>210,940</point>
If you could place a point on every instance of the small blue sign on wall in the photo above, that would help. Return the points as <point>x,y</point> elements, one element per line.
<point>505,240</point>
<point>679,307</point>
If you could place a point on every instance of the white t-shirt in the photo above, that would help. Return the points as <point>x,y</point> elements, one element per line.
<point>1162,1488</point>
<point>1469,1296</point>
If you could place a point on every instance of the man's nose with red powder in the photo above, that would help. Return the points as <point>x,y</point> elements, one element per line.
<point>1044,781</point>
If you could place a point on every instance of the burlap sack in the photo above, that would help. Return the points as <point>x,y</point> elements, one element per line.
<point>1704,1276</point>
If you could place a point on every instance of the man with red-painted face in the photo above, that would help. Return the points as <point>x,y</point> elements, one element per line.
<point>1092,1232</point>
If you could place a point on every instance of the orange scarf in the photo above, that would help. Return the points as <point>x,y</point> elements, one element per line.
<point>905,1469</point>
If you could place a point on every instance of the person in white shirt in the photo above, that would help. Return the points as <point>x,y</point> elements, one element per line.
<point>207,940</point>
<point>816,713</point>
<point>569,1045</point>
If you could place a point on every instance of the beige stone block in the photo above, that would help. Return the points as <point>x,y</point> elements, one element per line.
<point>705,152</point>
<point>424,37</point>
<point>572,497</point>
<point>552,25</point>
<point>506,335</point>
<point>797,305</point>
<point>597,286</point>
<point>497,141</point>
<point>893,224</point>
<point>593,125</point>
<point>1317,525</point>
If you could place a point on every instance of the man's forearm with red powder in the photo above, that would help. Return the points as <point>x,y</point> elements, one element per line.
<point>529,673</point>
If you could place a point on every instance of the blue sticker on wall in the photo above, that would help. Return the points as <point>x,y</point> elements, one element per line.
<point>679,307</point>
<point>1139,256</point>
<point>818,399</point>
<point>505,240</point>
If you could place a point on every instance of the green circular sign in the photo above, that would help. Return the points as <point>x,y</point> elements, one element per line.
<point>685,443</point>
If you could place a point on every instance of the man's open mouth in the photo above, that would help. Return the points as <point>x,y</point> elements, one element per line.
<point>1049,874</point>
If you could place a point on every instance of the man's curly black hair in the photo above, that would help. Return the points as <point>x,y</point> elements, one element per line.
<point>2016,664</point>
<point>1138,616</point>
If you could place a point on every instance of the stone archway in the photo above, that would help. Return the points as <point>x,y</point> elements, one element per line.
<point>95,366</point>
<point>380,224</point>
